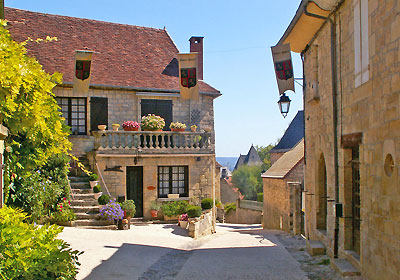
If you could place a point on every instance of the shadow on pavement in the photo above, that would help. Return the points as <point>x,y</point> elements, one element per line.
<point>177,230</point>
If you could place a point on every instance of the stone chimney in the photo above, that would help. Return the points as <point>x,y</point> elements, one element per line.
<point>196,45</point>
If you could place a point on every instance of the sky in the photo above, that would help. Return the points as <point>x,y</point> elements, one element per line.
<point>237,56</point>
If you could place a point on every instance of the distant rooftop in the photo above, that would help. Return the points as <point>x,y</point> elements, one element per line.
<point>251,158</point>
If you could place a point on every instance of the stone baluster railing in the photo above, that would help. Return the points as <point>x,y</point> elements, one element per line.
<point>153,141</point>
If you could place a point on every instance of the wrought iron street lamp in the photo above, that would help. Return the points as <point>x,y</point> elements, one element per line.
<point>284,104</point>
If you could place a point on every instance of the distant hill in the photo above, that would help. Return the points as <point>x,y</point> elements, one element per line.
<point>228,162</point>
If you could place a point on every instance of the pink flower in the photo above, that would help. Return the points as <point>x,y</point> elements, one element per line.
<point>64,198</point>
<point>69,203</point>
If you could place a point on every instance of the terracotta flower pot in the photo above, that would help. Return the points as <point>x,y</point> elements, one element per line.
<point>131,128</point>
<point>93,183</point>
<point>148,129</point>
<point>177,129</point>
<point>154,213</point>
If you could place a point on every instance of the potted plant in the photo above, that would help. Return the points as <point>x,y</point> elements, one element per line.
<point>112,211</point>
<point>102,127</point>
<point>103,199</point>
<point>93,180</point>
<point>130,126</point>
<point>177,126</point>
<point>115,126</point>
<point>183,220</point>
<point>97,192</point>
<point>152,122</point>
<point>154,208</point>
<point>129,208</point>
<point>193,128</point>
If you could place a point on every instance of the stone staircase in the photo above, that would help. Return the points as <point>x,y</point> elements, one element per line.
<point>85,206</point>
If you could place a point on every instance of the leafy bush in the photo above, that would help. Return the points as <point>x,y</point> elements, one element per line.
<point>194,211</point>
<point>32,252</point>
<point>104,199</point>
<point>260,197</point>
<point>174,208</point>
<point>129,207</point>
<point>248,180</point>
<point>97,189</point>
<point>207,203</point>
<point>112,211</point>
<point>93,177</point>
<point>64,213</point>
<point>230,207</point>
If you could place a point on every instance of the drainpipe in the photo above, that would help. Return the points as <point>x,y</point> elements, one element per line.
<point>334,105</point>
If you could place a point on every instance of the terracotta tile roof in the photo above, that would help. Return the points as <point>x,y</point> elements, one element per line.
<point>124,55</point>
<point>286,163</point>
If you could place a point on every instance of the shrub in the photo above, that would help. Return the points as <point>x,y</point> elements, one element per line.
<point>260,197</point>
<point>93,177</point>
<point>33,252</point>
<point>207,203</point>
<point>168,209</point>
<point>97,189</point>
<point>194,211</point>
<point>64,212</point>
<point>112,211</point>
<point>129,207</point>
<point>230,207</point>
<point>104,199</point>
<point>174,208</point>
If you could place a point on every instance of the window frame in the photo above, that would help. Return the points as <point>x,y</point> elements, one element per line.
<point>171,179</point>
<point>68,120</point>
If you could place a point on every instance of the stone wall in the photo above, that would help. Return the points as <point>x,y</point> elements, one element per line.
<point>243,216</point>
<point>372,109</point>
<point>228,195</point>
<point>200,175</point>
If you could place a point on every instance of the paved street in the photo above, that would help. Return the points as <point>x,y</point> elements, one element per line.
<point>165,252</point>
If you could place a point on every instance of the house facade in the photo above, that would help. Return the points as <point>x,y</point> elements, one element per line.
<point>351,58</point>
<point>134,72</point>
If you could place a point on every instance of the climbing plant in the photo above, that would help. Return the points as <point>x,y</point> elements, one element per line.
<point>28,108</point>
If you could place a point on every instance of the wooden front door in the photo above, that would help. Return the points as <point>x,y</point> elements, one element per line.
<point>356,201</point>
<point>134,187</point>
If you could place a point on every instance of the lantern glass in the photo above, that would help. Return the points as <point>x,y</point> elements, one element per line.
<point>284,105</point>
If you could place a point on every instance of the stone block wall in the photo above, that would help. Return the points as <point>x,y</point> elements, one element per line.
<point>372,109</point>
<point>243,216</point>
<point>200,175</point>
<point>276,204</point>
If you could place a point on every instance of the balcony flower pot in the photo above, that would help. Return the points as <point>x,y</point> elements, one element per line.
<point>177,129</point>
<point>115,126</point>
<point>130,126</point>
<point>152,122</point>
<point>131,129</point>
<point>193,128</point>
<point>150,129</point>
<point>177,126</point>
<point>102,127</point>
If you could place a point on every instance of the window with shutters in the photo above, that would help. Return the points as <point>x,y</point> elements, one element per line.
<point>173,180</point>
<point>361,51</point>
<point>74,111</point>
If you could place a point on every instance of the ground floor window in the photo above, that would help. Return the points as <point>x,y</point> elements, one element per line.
<point>74,111</point>
<point>173,180</point>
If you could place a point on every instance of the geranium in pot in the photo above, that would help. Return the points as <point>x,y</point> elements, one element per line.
<point>177,126</point>
<point>152,122</point>
<point>129,208</point>
<point>183,220</point>
<point>154,208</point>
<point>130,126</point>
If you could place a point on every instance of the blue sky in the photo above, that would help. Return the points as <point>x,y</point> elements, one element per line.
<point>237,57</point>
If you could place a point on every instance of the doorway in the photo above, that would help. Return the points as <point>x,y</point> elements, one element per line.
<point>134,187</point>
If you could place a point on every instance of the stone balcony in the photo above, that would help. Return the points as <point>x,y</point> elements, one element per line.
<point>153,142</point>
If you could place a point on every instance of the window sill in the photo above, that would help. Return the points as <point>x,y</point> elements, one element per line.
<point>172,199</point>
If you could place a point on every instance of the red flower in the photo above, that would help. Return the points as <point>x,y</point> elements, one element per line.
<point>69,203</point>
<point>64,198</point>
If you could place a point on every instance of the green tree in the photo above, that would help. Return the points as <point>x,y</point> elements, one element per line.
<point>263,153</point>
<point>248,180</point>
<point>28,108</point>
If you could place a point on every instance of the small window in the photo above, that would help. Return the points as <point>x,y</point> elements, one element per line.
<point>172,180</point>
<point>74,112</point>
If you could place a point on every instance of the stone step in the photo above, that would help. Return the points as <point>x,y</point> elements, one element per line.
<point>82,191</point>
<point>84,196</point>
<point>78,179</point>
<point>93,222</point>
<point>85,209</point>
<point>344,267</point>
<point>110,227</point>
<point>80,185</point>
<point>87,202</point>
<point>85,216</point>
<point>315,247</point>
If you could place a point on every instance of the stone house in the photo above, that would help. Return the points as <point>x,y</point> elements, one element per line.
<point>134,72</point>
<point>351,60</point>
<point>282,188</point>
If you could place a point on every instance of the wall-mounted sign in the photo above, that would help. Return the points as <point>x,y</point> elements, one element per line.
<point>83,60</point>
<point>189,87</point>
